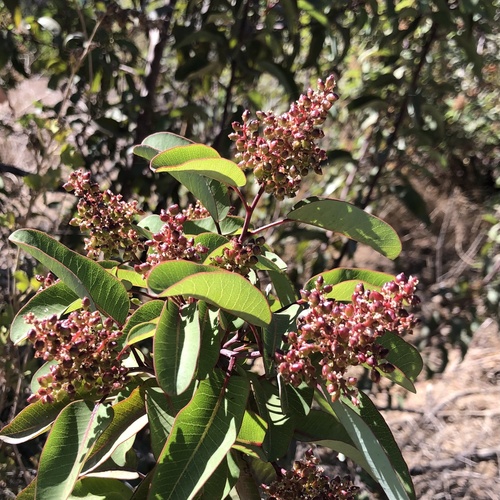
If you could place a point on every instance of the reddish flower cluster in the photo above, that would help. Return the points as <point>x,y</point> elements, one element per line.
<point>286,151</point>
<point>107,217</point>
<point>238,257</point>
<point>86,352</point>
<point>340,335</point>
<point>45,281</point>
<point>195,212</point>
<point>307,481</point>
<point>170,243</point>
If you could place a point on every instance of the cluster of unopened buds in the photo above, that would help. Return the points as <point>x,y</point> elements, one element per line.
<point>334,336</point>
<point>307,481</point>
<point>86,353</point>
<point>240,257</point>
<point>283,149</point>
<point>46,280</point>
<point>106,217</point>
<point>170,243</point>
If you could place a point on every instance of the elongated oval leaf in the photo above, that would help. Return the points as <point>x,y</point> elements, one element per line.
<point>141,332</point>
<point>325,429</point>
<point>160,416</point>
<point>226,290</point>
<point>52,300</point>
<point>166,274</point>
<point>202,435</point>
<point>72,437</point>
<point>219,169</point>
<point>211,193</point>
<point>31,421</point>
<point>210,339</point>
<point>182,154</point>
<point>160,141</point>
<point>129,417</point>
<point>83,276</point>
<point>371,435</point>
<point>281,323</point>
<point>349,220</point>
<point>176,347</point>
<point>144,314</point>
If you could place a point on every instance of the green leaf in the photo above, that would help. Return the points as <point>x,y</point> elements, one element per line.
<point>219,169</point>
<point>229,225</point>
<point>298,399</point>
<point>342,274</point>
<point>280,425</point>
<point>253,429</point>
<point>210,192</point>
<point>161,418</point>
<point>211,241</point>
<point>97,488</point>
<point>83,276</point>
<point>152,223</point>
<point>283,286</point>
<point>144,314</point>
<point>141,332</point>
<point>29,492</point>
<point>176,347</point>
<point>223,479</point>
<point>202,435</point>
<point>349,220</point>
<point>52,300</point>
<point>126,275</point>
<point>272,335</point>
<point>210,340</point>
<point>404,357</point>
<point>325,429</point>
<point>371,435</point>
<point>32,421</point>
<point>166,274</point>
<point>223,289</point>
<point>71,439</point>
<point>160,141</point>
<point>129,417</point>
<point>182,154</point>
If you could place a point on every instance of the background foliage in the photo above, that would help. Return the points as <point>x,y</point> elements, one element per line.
<point>415,136</point>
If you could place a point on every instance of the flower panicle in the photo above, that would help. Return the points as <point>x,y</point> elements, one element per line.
<point>170,243</point>
<point>283,149</point>
<point>341,335</point>
<point>306,481</point>
<point>107,218</point>
<point>86,352</point>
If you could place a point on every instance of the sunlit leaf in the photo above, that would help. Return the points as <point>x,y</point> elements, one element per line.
<point>83,276</point>
<point>129,417</point>
<point>72,436</point>
<point>32,421</point>
<point>202,435</point>
<point>176,347</point>
<point>371,435</point>
<point>219,169</point>
<point>349,220</point>
<point>226,290</point>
